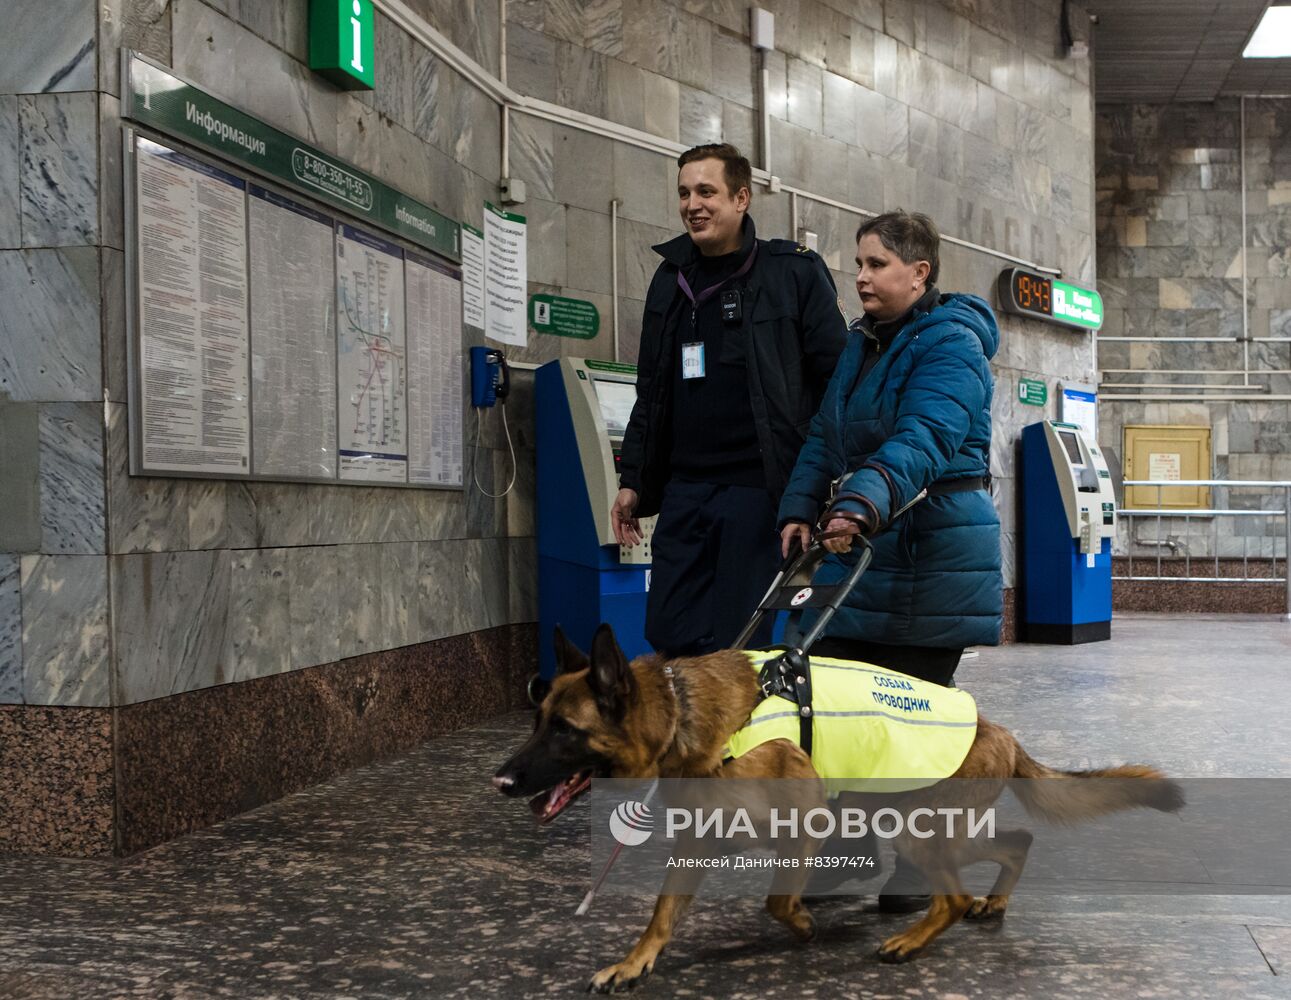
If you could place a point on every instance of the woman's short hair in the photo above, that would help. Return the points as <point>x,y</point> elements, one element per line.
<point>912,236</point>
<point>736,170</point>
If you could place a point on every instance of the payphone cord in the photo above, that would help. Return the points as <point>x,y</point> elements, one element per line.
<point>475,458</point>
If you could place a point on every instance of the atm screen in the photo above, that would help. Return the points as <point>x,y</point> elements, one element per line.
<point>616,399</point>
<point>1068,439</point>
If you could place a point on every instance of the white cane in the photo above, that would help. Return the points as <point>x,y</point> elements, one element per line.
<point>586,904</point>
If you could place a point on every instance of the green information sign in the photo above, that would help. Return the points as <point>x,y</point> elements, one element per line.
<point>1033,392</point>
<point>614,367</point>
<point>564,317</point>
<point>155,97</point>
<point>342,36</point>
<point>1076,305</point>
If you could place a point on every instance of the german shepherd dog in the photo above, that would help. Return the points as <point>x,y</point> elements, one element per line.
<point>606,717</point>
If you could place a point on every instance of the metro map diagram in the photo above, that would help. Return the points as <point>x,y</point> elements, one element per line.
<point>372,383</point>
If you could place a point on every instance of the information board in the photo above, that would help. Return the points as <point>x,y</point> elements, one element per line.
<point>192,310</point>
<point>435,383</point>
<point>271,337</point>
<point>371,358</point>
<point>293,360</point>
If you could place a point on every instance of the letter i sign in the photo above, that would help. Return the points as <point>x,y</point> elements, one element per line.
<point>342,37</point>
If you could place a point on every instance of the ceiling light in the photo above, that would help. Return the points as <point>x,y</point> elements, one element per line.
<point>1272,38</point>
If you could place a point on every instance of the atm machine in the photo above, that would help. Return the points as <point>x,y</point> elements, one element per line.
<point>584,576</point>
<point>1068,523</point>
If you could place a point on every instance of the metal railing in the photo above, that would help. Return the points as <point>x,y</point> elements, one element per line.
<point>1224,510</point>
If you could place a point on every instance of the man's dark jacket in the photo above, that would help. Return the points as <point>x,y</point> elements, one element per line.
<point>794,331</point>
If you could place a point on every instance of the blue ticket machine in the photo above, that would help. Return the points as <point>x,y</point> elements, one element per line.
<point>1068,523</point>
<point>584,576</point>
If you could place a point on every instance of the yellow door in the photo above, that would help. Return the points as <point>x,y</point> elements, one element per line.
<point>1167,452</point>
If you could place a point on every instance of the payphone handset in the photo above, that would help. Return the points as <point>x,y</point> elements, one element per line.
<point>490,376</point>
<point>1085,483</point>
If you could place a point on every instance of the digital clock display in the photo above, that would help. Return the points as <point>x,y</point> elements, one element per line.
<point>1039,296</point>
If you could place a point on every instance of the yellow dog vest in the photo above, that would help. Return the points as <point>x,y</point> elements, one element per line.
<point>871,725</point>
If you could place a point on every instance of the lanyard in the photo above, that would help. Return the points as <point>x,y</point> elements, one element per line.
<point>697,300</point>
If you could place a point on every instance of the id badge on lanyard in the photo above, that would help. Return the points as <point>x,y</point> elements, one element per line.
<point>692,360</point>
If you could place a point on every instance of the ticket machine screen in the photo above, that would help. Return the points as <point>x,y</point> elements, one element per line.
<point>1069,442</point>
<point>616,400</point>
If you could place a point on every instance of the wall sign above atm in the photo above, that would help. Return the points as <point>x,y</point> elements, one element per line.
<point>1040,296</point>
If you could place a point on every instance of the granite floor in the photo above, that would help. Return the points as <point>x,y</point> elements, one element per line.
<point>412,878</point>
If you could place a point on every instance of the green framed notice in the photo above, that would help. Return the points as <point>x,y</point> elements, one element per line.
<point>1032,392</point>
<point>564,317</point>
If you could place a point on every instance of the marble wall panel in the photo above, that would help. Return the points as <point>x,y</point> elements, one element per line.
<point>20,528</point>
<point>359,592</point>
<point>531,61</point>
<point>733,74</point>
<point>111,189</point>
<point>314,587</point>
<point>806,85</point>
<point>112,315</point>
<point>840,98</point>
<point>58,178</point>
<point>645,184</point>
<point>700,117</point>
<point>170,622</point>
<point>57,48</point>
<point>141,25</point>
<point>587,250</point>
<point>11,680</point>
<point>49,329</point>
<point>522,573</point>
<point>532,155</point>
<point>72,513</point>
<point>661,38</point>
<point>145,514</point>
<point>740,127</point>
<point>258,638</point>
<point>546,238</point>
<point>400,569</point>
<point>10,158</point>
<point>65,649</point>
<point>581,79</point>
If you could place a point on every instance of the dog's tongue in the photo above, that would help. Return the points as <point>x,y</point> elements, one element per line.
<point>549,805</point>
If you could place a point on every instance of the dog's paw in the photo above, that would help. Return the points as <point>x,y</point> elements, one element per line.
<point>987,908</point>
<point>898,949</point>
<point>803,926</point>
<point>619,978</point>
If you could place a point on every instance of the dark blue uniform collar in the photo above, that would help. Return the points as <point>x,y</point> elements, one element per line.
<point>681,251</point>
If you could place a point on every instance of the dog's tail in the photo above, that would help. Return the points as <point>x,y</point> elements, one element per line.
<point>1070,796</point>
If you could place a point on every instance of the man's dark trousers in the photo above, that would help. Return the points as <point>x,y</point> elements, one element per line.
<point>715,551</point>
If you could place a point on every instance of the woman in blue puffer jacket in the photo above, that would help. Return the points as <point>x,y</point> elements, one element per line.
<point>908,409</point>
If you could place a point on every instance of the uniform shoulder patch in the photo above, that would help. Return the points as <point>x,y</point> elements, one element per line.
<point>789,246</point>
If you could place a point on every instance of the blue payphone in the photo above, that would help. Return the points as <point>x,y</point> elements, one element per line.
<point>1068,523</point>
<point>584,576</point>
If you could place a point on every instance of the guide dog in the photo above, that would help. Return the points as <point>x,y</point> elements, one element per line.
<point>606,717</point>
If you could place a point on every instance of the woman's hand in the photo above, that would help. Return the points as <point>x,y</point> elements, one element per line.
<point>792,530</point>
<point>843,543</point>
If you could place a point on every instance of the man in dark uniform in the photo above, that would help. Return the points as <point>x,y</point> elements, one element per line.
<point>738,342</point>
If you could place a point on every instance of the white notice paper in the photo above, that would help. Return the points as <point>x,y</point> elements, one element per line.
<point>472,276</point>
<point>1165,467</point>
<point>293,359</point>
<point>435,391</point>
<point>193,340</point>
<point>371,370</point>
<point>505,277</point>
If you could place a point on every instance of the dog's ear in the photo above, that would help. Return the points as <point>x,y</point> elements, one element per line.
<point>610,678</point>
<point>569,658</point>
